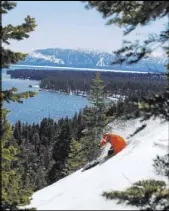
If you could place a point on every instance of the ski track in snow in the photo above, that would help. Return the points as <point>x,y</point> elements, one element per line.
<point>83,190</point>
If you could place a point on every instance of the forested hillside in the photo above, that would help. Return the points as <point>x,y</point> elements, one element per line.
<point>128,84</point>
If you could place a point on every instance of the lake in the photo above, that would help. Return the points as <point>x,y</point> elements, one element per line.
<point>45,104</point>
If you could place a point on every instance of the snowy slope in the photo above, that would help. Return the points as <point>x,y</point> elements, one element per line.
<point>82,190</point>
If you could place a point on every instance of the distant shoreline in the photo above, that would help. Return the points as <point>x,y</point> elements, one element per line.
<point>62,92</point>
<point>85,69</point>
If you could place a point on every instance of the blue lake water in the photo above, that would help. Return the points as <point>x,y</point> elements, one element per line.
<point>45,104</point>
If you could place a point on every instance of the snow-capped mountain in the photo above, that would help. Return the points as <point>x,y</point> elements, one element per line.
<point>83,58</point>
<point>83,190</point>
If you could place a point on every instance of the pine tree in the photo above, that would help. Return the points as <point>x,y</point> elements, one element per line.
<point>60,150</point>
<point>75,158</point>
<point>14,193</point>
<point>95,118</point>
<point>11,32</point>
<point>97,99</point>
<point>40,178</point>
<point>146,195</point>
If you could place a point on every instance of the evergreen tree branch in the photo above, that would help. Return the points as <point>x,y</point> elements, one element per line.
<point>7,6</point>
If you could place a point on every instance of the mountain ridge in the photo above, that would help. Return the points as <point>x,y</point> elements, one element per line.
<point>86,58</point>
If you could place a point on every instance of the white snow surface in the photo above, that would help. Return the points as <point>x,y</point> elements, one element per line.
<point>51,58</point>
<point>83,190</point>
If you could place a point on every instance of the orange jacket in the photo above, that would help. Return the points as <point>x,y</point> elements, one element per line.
<point>117,142</point>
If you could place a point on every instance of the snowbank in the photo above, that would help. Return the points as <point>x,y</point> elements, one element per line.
<point>82,190</point>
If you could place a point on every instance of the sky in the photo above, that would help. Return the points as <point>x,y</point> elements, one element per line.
<point>67,24</point>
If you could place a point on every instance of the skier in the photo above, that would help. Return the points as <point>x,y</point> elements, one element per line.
<point>116,141</point>
<point>117,144</point>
